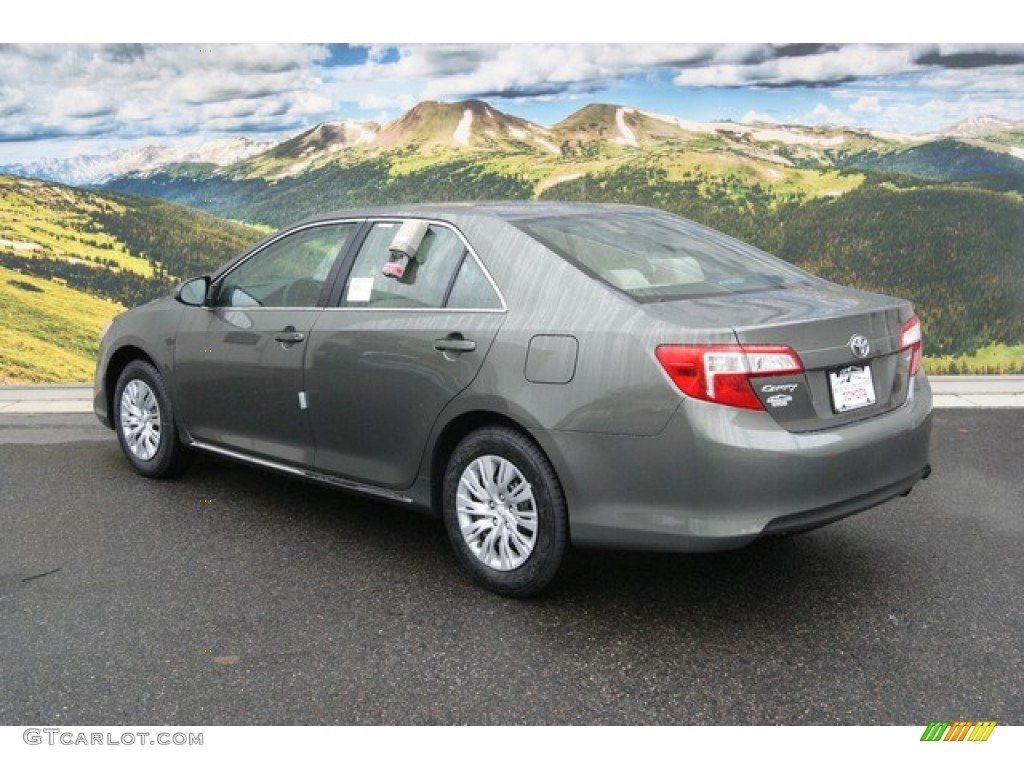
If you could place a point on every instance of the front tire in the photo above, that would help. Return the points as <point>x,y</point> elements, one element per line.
<point>144,422</point>
<point>504,512</point>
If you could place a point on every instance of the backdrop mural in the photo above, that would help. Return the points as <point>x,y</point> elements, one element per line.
<point>125,168</point>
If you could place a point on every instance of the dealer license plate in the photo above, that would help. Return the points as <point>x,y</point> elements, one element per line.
<point>852,388</point>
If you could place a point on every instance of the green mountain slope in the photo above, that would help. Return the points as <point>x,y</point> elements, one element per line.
<point>48,332</point>
<point>71,259</point>
<point>956,251</point>
<point>945,160</point>
<point>935,220</point>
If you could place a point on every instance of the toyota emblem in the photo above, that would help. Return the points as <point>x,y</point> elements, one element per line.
<point>860,346</point>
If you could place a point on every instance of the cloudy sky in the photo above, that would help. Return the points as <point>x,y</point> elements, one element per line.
<point>58,100</point>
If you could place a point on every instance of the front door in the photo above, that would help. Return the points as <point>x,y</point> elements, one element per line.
<point>239,361</point>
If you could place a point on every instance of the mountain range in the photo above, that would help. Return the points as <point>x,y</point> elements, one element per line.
<point>83,170</point>
<point>473,127</point>
<point>937,219</point>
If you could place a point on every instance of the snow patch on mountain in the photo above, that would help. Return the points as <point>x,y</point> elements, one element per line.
<point>792,137</point>
<point>976,127</point>
<point>902,138</point>
<point>626,135</point>
<point>462,130</point>
<point>227,151</point>
<point>691,126</point>
<point>760,133</point>
<point>547,145</point>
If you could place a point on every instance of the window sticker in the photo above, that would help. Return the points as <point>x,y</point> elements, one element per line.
<point>359,289</point>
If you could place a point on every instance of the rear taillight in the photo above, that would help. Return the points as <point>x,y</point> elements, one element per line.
<point>910,339</point>
<point>721,373</point>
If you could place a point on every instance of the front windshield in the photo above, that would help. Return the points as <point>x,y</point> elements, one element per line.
<point>654,256</point>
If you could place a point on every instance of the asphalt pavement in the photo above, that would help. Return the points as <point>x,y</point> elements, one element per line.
<point>235,596</point>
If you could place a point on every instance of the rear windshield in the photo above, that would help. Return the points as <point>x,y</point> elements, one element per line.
<point>658,257</point>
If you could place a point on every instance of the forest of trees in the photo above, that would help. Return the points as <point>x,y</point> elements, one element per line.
<point>181,242</point>
<point>331,187</point>
<point>74,225</point>
<point>954,249</point>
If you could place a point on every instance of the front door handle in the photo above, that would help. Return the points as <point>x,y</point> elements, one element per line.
<point>290,336</point>
<point>454,342</point>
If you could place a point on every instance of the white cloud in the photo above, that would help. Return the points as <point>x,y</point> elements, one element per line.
<point>830,66</point>
<point>452,71</point>
<point>54,90</point>
<point>866,105</point>
<point>82,102</point>
<point>759,117</point>
<point>379,101</point>
<point>1005,79</point>
<point>158,91</point>
<point>823,114</point>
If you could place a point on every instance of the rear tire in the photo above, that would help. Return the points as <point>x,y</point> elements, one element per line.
<point>144,422</point>
<point>504,512</point>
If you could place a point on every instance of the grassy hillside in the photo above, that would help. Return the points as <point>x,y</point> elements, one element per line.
<point>71,259</point>
<point>48,332</point>
<point>994,359</point>
<point>39,218</point>
<point>955,249</point>
<point>940,222</point>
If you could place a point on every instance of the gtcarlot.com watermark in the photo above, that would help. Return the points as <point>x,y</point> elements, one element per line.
<point>71,738</point>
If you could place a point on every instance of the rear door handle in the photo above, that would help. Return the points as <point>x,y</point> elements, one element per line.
<point>290,336</point>
<point>454,342</point>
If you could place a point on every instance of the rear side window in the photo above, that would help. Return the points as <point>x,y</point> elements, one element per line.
<point>656,257</point>
<point>439,273</point>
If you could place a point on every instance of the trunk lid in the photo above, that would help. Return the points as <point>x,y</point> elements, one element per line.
<point>848,341</point>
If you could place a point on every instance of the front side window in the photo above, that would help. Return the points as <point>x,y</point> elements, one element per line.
<point>290,272</point>
<point>424,279</point>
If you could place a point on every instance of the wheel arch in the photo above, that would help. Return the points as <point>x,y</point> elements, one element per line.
<point>119,360</point>
<point>453,433</point>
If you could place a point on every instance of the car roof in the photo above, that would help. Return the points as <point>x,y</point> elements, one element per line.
<point>512,210</point>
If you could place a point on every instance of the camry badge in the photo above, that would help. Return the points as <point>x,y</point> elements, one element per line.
<point>860,346</point>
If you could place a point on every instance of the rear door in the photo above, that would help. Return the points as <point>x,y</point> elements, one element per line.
<point>384,362</point>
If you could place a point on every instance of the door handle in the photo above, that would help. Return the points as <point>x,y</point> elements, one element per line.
<point>454,342</point>
<point>290,336</point>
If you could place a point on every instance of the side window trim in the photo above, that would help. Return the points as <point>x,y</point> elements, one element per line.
<point>343,265</point>
<point>453,279</point>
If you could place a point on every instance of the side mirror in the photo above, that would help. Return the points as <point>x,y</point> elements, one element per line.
<point>193,292</point>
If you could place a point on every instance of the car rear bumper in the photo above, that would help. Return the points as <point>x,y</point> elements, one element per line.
<point>719,477</point>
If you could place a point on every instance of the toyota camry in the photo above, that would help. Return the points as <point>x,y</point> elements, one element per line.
<point>539,376</point>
